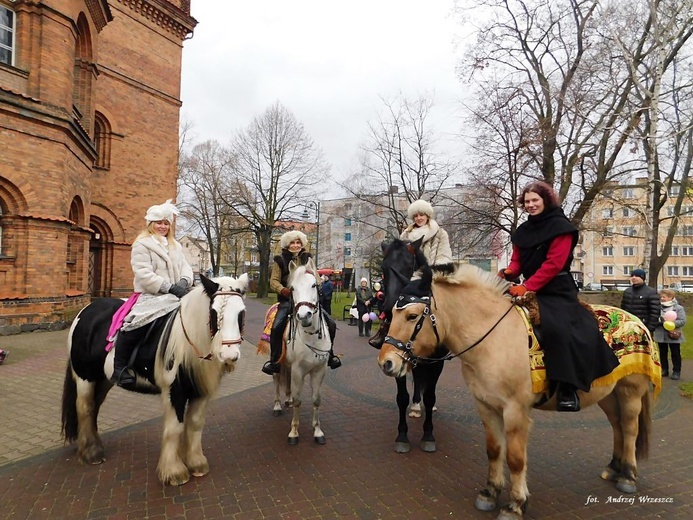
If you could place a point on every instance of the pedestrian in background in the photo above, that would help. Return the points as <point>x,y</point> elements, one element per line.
<point>327,290</point>
<point>3,356</point>
<point>642,300</point>
<point>364,301</point>
<point>670,340</point>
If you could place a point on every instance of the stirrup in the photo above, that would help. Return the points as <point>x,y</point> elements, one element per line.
<point>334,362</point>
<point>271,367</point>
<point>124,378</point>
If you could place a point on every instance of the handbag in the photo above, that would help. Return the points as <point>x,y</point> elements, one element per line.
<point>674,334</point>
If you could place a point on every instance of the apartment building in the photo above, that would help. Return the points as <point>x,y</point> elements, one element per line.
<point>613,239</point>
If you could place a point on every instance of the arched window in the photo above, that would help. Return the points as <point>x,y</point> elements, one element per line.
<point>84,71</point>
<point>6,35</point>
<point>102,141</point>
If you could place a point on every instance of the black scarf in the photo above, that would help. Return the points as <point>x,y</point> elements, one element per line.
<point>542,228</point>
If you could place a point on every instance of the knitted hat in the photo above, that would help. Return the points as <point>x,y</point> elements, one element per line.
<point>421,207</point>
<point>364,280</point>
<point>290,236</point>
<point>164,211</point>
<point>640,273</point>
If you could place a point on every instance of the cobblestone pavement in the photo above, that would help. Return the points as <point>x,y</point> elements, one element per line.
<point>255,474</point>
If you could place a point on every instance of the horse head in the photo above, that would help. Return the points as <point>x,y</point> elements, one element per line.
<point>304,292</point>
<point>400,260</point>
<point>226,315</point>
<point>409,341</point>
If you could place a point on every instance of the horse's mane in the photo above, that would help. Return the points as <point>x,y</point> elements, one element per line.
<point>300,271</point>
<point>471,276</point>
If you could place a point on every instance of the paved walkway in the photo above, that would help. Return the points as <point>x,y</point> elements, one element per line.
<point>256,475</point>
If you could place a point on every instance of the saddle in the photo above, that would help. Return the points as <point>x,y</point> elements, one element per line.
<point>144,354</point>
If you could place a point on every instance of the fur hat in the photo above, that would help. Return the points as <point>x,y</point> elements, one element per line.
<point>420,207</point>
<point>290,236</point>
<point>164,211</point>
<point>640,273</point>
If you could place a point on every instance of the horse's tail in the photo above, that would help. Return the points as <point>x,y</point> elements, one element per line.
<point>642,442</point>
<point>69,415</point>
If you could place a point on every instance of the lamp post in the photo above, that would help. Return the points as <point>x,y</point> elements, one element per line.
<point>306,216</point>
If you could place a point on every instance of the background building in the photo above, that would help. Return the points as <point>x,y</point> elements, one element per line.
<point>613,239</point>
<point>89,116</point>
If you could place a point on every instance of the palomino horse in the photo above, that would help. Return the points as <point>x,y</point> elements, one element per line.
<point>307,341</point>
<point>491,338</point>
<point>184,361</point>
<point>400,260</point>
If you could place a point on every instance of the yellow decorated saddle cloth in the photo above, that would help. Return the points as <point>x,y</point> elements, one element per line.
<point>630,340</point>
<point>263,346</point>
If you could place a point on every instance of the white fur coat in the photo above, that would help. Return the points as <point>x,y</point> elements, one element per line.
<point>435,246</point>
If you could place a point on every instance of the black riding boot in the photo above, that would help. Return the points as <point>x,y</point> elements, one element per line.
<point>379,338</point>
<point>567,398</point>
<point>276,337</point>
<point>334,361</point>
<point>125,347</point>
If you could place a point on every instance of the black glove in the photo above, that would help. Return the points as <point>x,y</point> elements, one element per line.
<point>178,290</point>
<point>182,283</point>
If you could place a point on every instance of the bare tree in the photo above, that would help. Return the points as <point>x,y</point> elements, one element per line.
<point>560,61</point>
<point>277,168</point>
<point>400,160</point>
<point>205,178</point>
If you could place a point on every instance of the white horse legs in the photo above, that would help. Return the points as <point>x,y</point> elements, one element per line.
<point>316,379</point>
<point>181,444</point>
<point>191,445</point>
<point>89,446</point>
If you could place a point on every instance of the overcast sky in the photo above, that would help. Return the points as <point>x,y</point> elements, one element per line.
<point>326,61</point>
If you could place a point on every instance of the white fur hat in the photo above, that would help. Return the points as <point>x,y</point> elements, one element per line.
<point>420,207</point>
<point>290,236</point>
<point>164,211</point>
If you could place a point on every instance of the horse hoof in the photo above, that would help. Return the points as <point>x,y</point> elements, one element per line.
<point>402,447</point>
<point>277,413</point>
<point>320,440</point>
<point>484,503</point>
<point>507,514</point>
<point>293,441</point>
<point>428,446</point>
<point>415,414</point>
<point>625,485</point>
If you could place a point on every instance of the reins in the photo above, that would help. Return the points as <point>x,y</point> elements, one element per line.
<point>408,354</point>
<point>211,333</point>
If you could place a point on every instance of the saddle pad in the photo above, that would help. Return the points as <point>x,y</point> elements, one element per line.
<point>118,318</point>
<point>629,339</point>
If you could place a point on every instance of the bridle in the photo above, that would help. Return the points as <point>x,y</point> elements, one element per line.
<point>405,349</point>
<point>214,328</point>
<point>315,307</point>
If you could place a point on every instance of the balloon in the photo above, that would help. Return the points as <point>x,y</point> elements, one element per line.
<point>669,325</point>
<point>380,295</point>
<point>373,316</point>
<point>670,316</point>
<point>365,318</point>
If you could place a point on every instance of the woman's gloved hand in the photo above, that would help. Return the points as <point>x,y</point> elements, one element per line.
<point>506,274</point>
<point>177,290</point>
<point>517,290</point>
<point>285,292</point>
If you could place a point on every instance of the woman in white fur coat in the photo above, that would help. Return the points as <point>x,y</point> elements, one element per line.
<point>162,277</point>
<point>436,244</point>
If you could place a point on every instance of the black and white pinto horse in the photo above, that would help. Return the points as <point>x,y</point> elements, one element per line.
<point>183,358</point>
<point>400,260</point>
<point>307,341</point>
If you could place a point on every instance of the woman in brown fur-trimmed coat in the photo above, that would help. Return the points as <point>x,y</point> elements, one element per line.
<point>293,255</point>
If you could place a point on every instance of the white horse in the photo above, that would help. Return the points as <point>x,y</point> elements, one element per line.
<point>307,345</point>
<point>183,358</point>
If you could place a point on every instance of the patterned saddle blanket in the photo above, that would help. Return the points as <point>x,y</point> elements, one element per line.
<point>630,340</point>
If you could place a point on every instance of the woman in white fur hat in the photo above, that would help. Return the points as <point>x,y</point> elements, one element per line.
<point>293,255</point>
<point>162,277</point>
<point>435,244</point>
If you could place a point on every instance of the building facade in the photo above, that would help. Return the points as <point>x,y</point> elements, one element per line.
<point>613,239</point>
<point>89,116</point>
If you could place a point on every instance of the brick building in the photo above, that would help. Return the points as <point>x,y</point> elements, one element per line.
<point>89,115</point>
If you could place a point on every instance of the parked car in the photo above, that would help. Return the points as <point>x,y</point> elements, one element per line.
<point>595,287</point>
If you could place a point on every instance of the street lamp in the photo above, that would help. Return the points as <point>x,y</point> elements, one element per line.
<point>306,216</point>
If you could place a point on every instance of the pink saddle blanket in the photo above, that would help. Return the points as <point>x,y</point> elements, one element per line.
<point>118,318</point>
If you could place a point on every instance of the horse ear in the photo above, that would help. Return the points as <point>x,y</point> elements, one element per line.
<point>384,245</point>
<point>209,286</point>
<point>416,245</point>
<point>243,280</point>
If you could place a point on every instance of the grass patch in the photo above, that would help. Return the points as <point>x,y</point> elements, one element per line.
<point>686,390</point>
